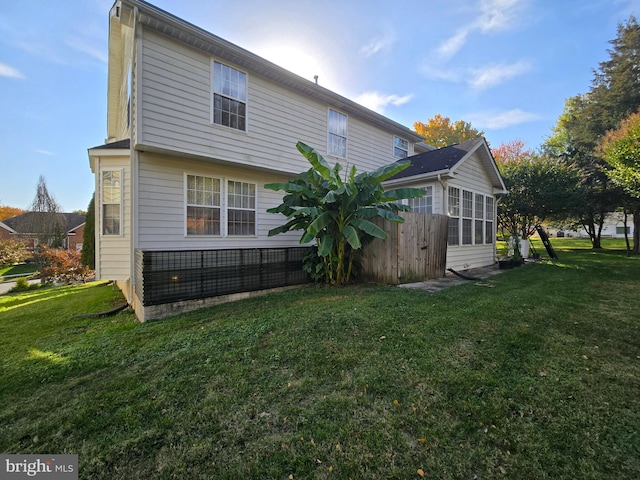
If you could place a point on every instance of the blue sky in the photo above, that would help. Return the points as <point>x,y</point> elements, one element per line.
<point>506,66</point>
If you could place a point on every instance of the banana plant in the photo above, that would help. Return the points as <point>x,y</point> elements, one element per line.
<point>336,213</point>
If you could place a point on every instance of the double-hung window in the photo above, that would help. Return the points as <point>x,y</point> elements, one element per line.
<point>241,208</point>
<point>489,235</point>
<point>423,204</point>
<point>203,205</point>
<point>111,187</point>
<point>337,134</point>
<point>220,208</point>
<point>467,217</point>
<point>400,147</point>
<point>479,220</point>
<point>454,216</point>
<point>229,97</point>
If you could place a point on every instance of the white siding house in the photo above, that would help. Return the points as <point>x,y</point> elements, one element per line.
<point>461,181</point>
<point>196,126</point>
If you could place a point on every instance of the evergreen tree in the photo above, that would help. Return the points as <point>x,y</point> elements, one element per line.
<point>88,255</point>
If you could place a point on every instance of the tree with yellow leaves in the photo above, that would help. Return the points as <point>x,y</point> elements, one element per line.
<point>440,131</point>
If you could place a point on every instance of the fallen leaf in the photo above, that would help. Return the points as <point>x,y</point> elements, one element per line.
<point>422,440</point>
<point>396,403</point>
<point>382,337</point>
<point>313,444</point>
<point>319,461</point>
<point>542,374</point>
<point>421,472</point>
<point>330,468</point>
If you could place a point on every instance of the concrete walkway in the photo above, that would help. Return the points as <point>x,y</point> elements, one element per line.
<point>450,280</point>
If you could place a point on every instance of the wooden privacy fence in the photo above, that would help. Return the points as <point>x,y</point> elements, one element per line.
<point>413,251</point>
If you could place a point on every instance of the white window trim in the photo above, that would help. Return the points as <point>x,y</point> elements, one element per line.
<point>186,205</point>
<point>224,205</point>
<point>101,204</point>
<point>212,96</point>
<point>329,133</point>
<point>394,146</point>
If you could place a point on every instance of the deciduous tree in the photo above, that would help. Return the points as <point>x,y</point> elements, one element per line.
<point>440,131</point>
<point>621,150</point>
<point>7,212</point>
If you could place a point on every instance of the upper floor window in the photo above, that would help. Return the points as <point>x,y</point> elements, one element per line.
<point>400,147</point>
<point>337,134</point>
<point>111,201</point>
<point>423,204</point>
<point>229,97</point>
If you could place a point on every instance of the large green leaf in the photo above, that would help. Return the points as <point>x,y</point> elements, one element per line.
<point>387,171</point>
<point>321,221</point>
<point>352,237</point>
<point>325,245</point>
<point>286,186</point>
<point>315,159</point>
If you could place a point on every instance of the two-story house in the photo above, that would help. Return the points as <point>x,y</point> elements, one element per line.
<point>196,126</point>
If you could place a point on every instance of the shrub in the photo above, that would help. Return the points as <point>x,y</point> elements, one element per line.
<point>21,285</point>
<point>62,266</point>
<point>12,252</point>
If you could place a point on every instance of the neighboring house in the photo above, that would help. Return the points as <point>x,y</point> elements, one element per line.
<point>196,127</point>
<point>20,226</point>
<point>461,181</point>
<point>613,227</point>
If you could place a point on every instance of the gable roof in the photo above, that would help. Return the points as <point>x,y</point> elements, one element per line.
<point>445,161</point>
<point>161,21</point>
<point>120,144</point>
<point>71,221</point>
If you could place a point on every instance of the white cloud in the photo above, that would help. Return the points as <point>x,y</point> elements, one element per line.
<point>45,152</point>
<point>499,15</point>
<point>378,44</point>
<point>82,46</point>
<point>436,73</point>
<point>378,102</point>
<point>10,72</point>
<point>487,77</point>
<point>494,15</point>
<point>451,46</point>
<point>498,121</point>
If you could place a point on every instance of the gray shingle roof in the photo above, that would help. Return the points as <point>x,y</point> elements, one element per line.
<point>439,160</point>
<point>71,221</point>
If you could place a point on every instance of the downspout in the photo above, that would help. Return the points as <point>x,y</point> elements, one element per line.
<point>445,208</point>
<point>133,156</point>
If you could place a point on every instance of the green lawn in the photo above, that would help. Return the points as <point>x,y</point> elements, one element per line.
<point>23,268</point>
<point>532,374</point>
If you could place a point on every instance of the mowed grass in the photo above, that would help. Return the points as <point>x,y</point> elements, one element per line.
<point>531,374</point>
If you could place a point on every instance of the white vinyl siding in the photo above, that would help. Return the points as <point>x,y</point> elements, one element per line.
<point>472,177</point>
<point>113,252</point>
<point>162,194</point>
<point>175,115</point>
